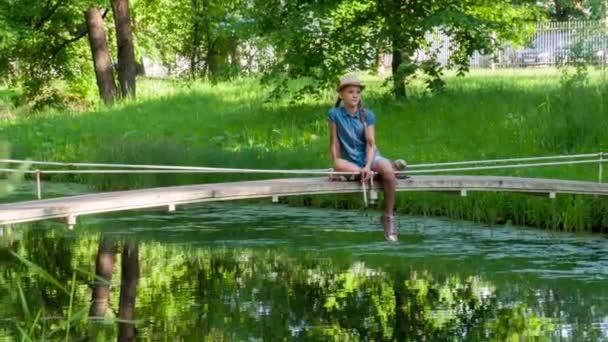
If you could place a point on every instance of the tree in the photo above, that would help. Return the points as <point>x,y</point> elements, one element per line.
<point>8,185</point>
<point>563,10</point>
<point>129,276</point>
<point>104,266</point>
<point>320,40</point>
<point>209,34</point>
<point>40,42</point>
<point>101,55</point>
<point>43,45</point>
<point>124,43</point>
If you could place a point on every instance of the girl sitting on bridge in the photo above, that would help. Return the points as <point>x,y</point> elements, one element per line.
<point>353,147</point>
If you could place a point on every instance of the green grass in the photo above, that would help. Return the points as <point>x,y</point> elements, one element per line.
<point>7,106</point>
<point>488,114</point>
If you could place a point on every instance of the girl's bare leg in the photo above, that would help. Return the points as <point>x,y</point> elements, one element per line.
<point>387,174</point>
<point>343,165</point>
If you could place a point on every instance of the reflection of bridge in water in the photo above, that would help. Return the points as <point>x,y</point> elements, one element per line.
<point>169,197</point>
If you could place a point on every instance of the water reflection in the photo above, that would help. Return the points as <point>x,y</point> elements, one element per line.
<point>170,279</point>
<point>129,276</point>
<point>239,294</point>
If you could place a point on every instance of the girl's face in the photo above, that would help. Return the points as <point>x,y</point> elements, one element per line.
<point>351,95</point>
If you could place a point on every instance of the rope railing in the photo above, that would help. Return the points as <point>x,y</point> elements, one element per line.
<point>174,167</point>
<point>426,168</point>
<point>572,156</point>
<point>161,170</point>
<point>155,167</point>
<point>510,166</point>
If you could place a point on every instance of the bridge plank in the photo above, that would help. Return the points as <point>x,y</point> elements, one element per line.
<point>175,195</point>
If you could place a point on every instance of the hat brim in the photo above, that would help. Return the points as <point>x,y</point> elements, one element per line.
<point>342,86</point>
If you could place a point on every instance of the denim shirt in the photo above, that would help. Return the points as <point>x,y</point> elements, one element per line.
<point>351,135</point>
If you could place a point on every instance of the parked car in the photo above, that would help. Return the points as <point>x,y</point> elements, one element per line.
<point>595,49</point>
<point>545,49</point>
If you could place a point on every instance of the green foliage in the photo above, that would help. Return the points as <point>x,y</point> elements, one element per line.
<point>312,41</point>
<point>40,272</point>
<point>580,56</point>
<point>160,29</point>
<point>211,35</point>
<point>8,185</point>
<point>574,9</point>
<point>8,38</point>
<point>319,41</point>
<point>574,69</point>
<point>41,52</point>
<point>34,328</point>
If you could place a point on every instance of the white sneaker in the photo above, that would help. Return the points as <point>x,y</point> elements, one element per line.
<point>390,232</point>
<point>399,164</point>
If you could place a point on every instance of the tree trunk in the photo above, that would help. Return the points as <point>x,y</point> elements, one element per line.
<point>124,42</point>
<point>101,55</point>
<point>399,329</point>
<point>104,265</point>
<point>212,59</point>
<point>196,38</point>
<point>560,12</point>
<point>398,76</point>
<point>235,57</point>
<point>606,17</point>
<point>194,56</point>
<point>128,289</point>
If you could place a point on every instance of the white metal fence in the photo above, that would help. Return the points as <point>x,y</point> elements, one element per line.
<point>553,43</point>
<point>549,44</point>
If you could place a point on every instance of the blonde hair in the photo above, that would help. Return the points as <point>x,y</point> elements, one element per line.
<point>362,114</point>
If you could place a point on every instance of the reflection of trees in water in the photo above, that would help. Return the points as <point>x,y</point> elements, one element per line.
<point>229,294</point>
<point>129,275</point>
<point>31,289</point>
<point>242,295</point>
<point>104,267</point>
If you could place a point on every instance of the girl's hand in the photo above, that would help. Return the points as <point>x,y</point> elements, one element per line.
<point>366,173</point>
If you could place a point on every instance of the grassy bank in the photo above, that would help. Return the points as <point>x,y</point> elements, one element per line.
<point>486,115</point>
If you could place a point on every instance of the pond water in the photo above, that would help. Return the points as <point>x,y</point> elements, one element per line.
<point>242,271</point>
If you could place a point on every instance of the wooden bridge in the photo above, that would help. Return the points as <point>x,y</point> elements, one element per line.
<point>71,207</point>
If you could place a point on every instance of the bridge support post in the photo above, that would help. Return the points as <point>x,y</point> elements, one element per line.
<point>275,199</point>
<point>71,221</point>
<point>601,164</point>
<point>171,208</point>
<point>373,196</point>
<point>38,185</point>
<point>463,192</point>
<point>552,195</point>
<point>6,229</point>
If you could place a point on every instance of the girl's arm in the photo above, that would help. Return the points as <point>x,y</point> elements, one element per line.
<point>334,146</point>
<point>370,150</point>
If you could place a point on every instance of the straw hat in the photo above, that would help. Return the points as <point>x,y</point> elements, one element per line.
<point>348,80</point>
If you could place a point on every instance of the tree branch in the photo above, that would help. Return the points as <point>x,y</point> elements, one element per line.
<point>48,15</point>
<point>81,31</point>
